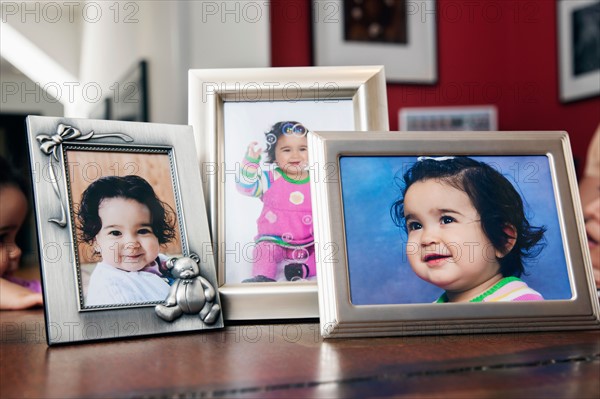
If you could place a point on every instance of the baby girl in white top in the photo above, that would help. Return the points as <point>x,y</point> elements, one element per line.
<point>126,223</point>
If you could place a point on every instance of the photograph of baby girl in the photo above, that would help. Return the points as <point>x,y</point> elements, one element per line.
<point>268,224</point>
<point>124,207</point>
<point>452,229</point>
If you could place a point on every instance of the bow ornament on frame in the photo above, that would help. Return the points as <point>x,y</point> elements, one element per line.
<point>49,145</point>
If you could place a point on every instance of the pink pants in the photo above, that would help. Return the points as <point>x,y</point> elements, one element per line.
<point>268,255</point>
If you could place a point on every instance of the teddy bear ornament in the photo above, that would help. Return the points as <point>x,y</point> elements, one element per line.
<point>190,293</point>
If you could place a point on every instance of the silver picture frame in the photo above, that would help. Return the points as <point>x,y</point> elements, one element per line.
<point>360,90</point>
<point>382,299</point>
<point>67,156</point>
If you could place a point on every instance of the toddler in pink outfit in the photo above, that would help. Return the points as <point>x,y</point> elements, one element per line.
<point>285,228</point>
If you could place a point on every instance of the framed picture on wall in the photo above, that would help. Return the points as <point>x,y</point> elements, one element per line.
<point>579,48</point>
<point>399,34</point>
<point>474,232</point>
<point>124,245</point>
<point>251,127</point>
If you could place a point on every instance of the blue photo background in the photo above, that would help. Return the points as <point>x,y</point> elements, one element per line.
<point>378,267</point>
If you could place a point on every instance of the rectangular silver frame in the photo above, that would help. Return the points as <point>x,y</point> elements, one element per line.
<point>50,140</point>
<point>209,90</point>
<point>341,318</point>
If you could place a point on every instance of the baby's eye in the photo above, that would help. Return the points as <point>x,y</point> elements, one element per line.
<point>447,219</point>
<point>412,226</point>
<point>145,231</point>
<point>114,233</point>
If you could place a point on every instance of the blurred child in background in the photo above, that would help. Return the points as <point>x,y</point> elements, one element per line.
<point>15,293</point>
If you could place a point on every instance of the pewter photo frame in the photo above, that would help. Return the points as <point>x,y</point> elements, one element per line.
<point>123,236</point>
<point>417,216</point>
<point>238,111</point>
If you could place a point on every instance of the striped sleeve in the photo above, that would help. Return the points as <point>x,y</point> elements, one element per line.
<point>252,181</point>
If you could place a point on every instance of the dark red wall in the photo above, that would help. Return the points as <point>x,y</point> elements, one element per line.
<point>489,52</point>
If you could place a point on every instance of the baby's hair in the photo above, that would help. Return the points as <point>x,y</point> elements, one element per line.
<point>496,200</point>
<point>279,129</point>
<point>9,177</point>
<point>127,187</point>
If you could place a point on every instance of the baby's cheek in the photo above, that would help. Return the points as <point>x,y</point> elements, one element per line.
<point>154,247</point>
<point>414,258</point>
<point>412,248</point>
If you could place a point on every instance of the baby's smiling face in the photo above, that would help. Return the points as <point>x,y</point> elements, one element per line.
<point>446,244</point>
<point>291,155</point>
<point>126,240</point>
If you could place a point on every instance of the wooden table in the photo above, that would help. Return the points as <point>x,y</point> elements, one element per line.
<point>292,360</point>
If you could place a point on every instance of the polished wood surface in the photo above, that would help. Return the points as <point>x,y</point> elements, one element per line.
<point>292,360</point>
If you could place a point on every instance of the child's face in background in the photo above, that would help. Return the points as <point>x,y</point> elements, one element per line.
<point>446,244</point>
<point>126,240</point>
<point>291,154</point>
<point>13,209</point>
